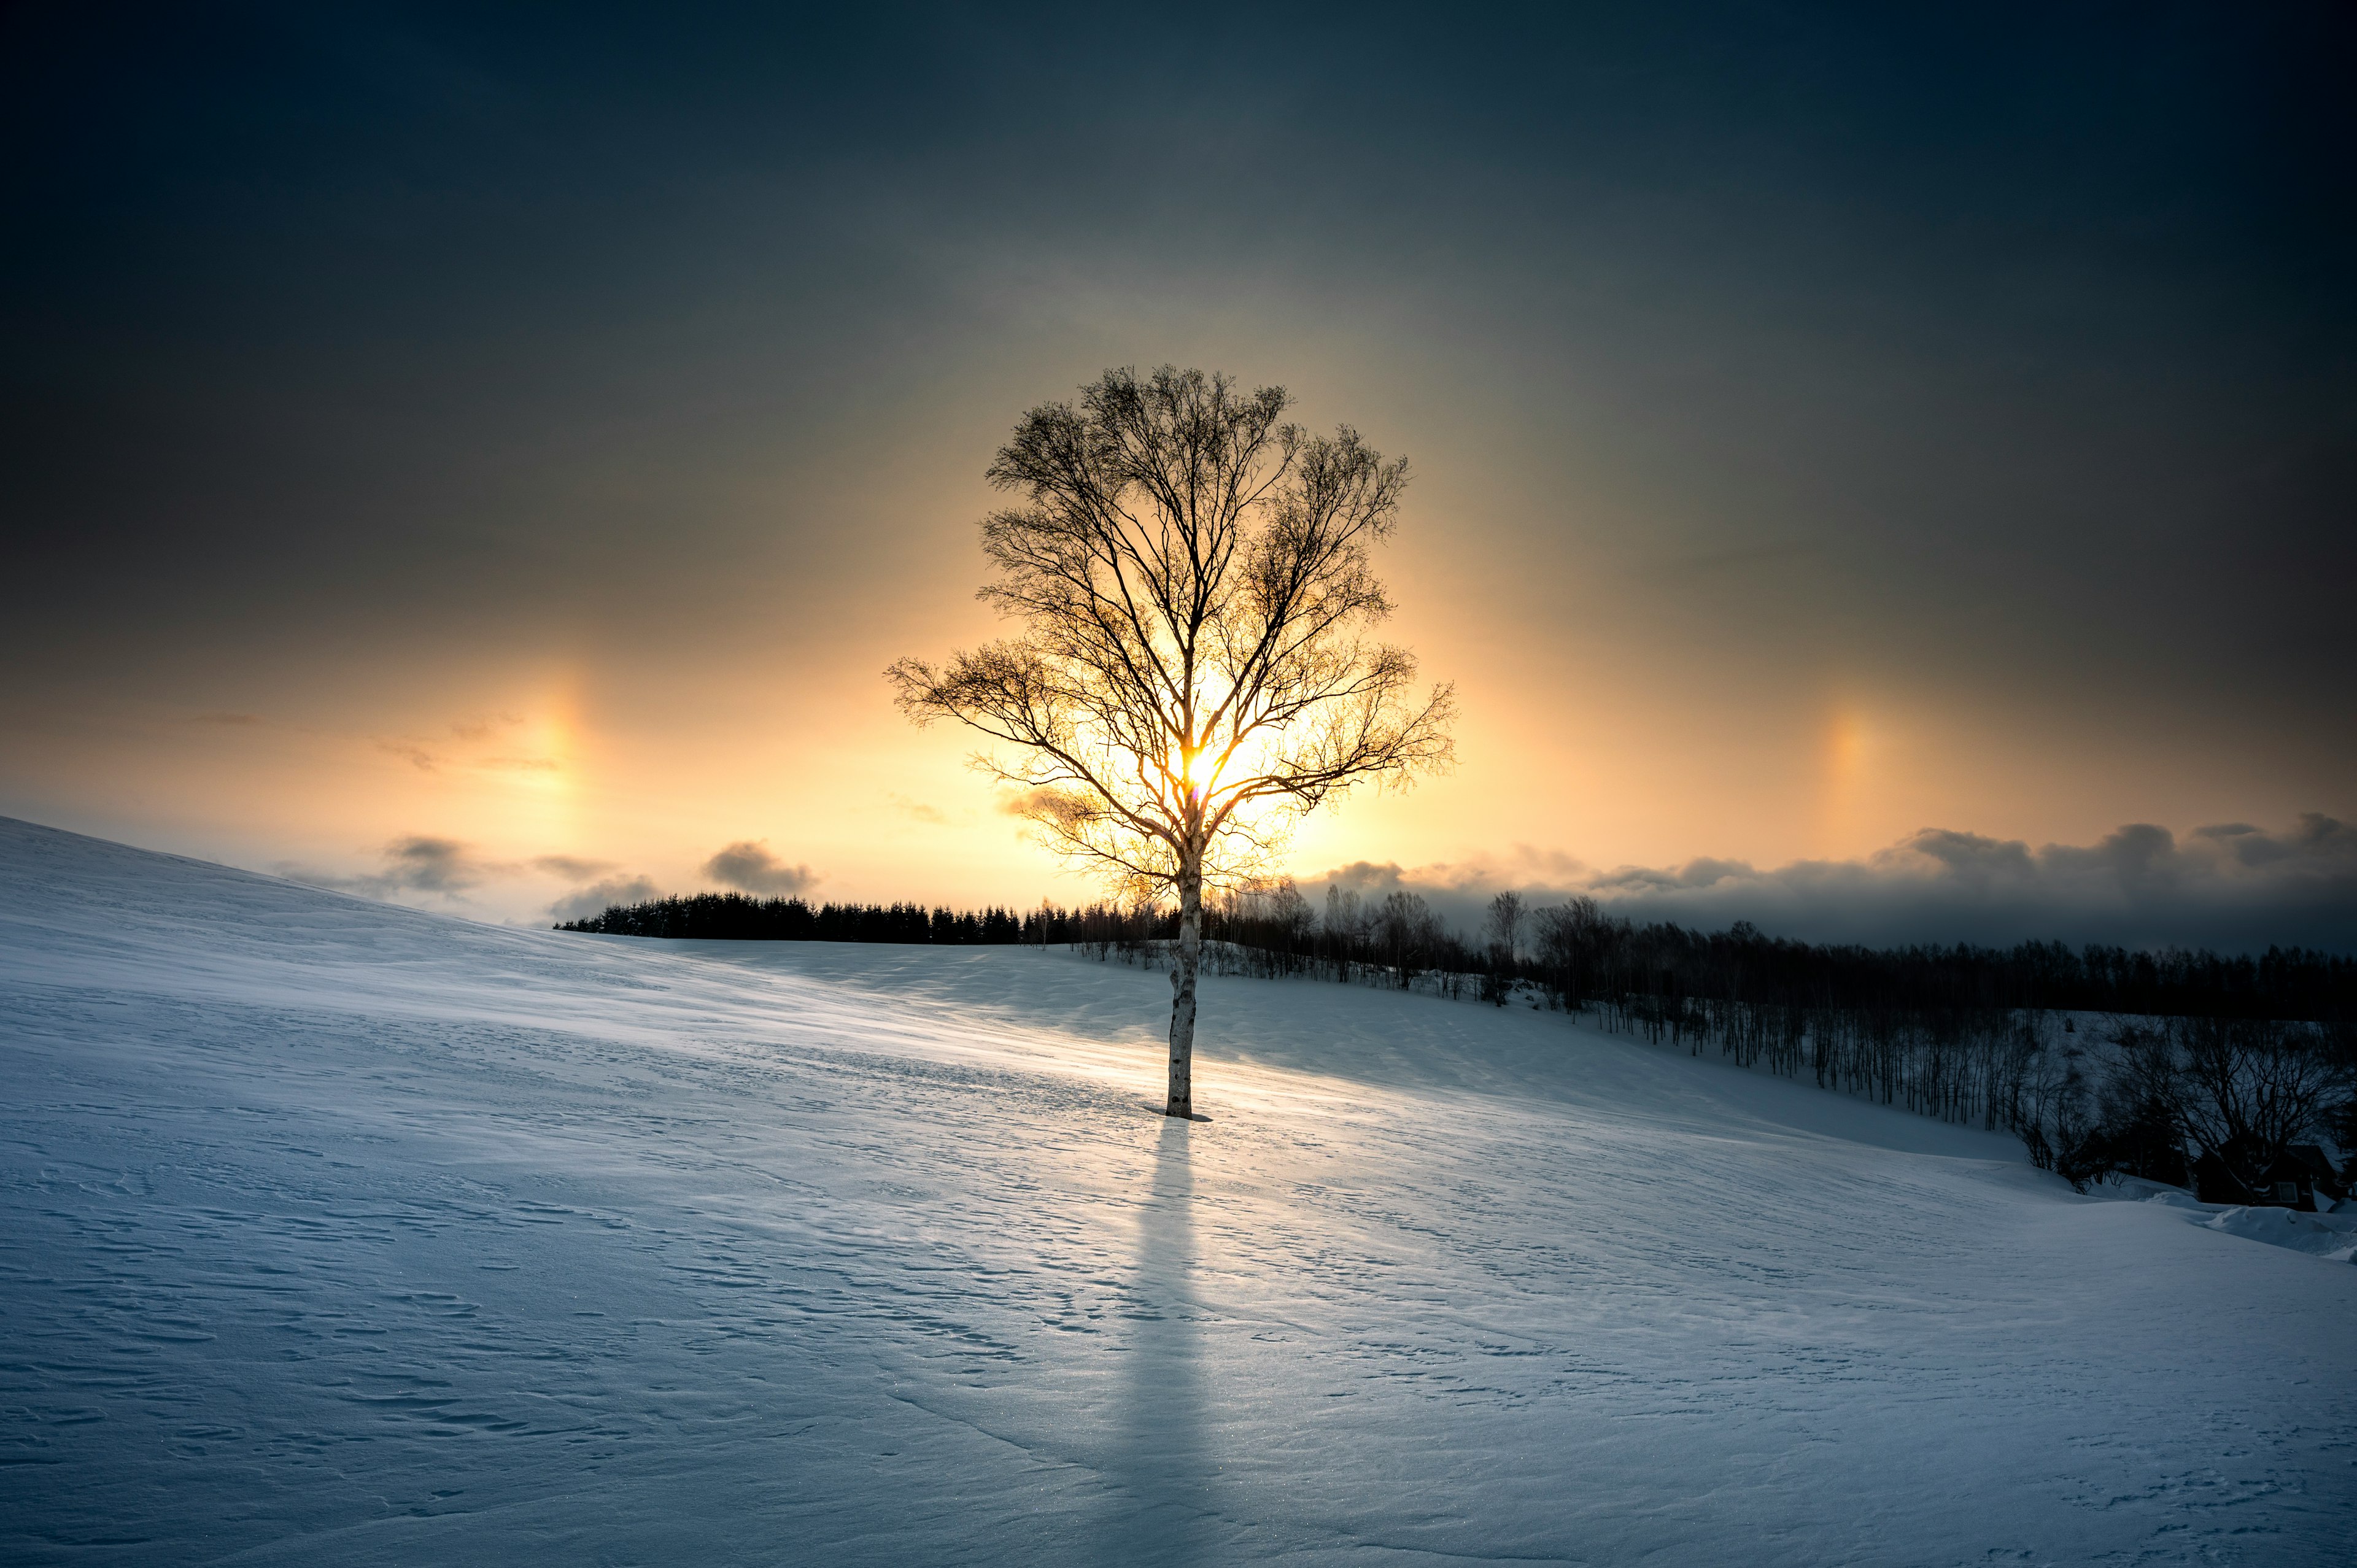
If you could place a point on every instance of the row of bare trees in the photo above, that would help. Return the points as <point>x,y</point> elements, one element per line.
<point>2243,1089</point>
<point>1397,940</point>
<point>2237,1056</point>
<point>1987,1036</point>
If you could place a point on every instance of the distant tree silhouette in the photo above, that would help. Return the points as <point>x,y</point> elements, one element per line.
<point>1502,924</point>
<point>1192,576</point>
<point>733,916</point>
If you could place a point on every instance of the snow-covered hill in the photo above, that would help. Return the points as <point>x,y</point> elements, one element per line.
<point>331,1231</point>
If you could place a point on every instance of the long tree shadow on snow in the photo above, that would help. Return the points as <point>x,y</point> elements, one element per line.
<point>1160,1462</point>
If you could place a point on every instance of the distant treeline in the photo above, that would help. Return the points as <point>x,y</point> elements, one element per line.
<point>733,916</point>
<point>1962,1032</point>
<point>1580,955</point>
<point>1585,958</point>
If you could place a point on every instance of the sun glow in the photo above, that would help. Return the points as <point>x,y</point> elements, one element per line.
<point>522,768</point>
<point>1847,758</point>
<point>1206,770</point>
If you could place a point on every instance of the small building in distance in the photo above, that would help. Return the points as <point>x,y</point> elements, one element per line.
<point>2304,1179</point>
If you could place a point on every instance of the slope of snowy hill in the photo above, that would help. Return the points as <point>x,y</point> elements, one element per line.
<point>331,1231</point>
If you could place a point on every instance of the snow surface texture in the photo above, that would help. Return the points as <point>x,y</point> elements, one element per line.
<point>340,1232</point>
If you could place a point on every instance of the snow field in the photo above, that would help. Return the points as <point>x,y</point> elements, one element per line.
<point>333,1232</point>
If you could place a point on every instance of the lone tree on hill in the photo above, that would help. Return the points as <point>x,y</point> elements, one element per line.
<point>1194,672</point>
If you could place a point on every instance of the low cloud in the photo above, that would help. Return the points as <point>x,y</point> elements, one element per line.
<point>2233,887</point>
<point>570,868</point>
<point>749,867</point>
<point>442,867</point>
<point>431,866</point>
<point>1028,803</point>
<point>449,870</point>
<point>917,810</point>
<point>433,756</point>
<point>595,898</point>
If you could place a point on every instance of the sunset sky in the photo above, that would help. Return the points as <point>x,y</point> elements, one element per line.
<point>1865,462</point>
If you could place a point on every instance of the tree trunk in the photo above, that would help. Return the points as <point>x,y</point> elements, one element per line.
<point>1182,987</point>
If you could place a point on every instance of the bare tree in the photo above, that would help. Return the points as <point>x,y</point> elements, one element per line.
<point>1502,925</point>
<point>1567,937</point>
<point>1407,933</point>
<point>2143,1101</point>
<point>1194,672</point>
<point>2252,1085</point>
<point>1505,925</point>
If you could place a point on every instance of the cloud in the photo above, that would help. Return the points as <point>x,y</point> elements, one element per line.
<point>595,898</point>
<point>918,811</point>
<point>443,867</point>
<point>2233,887</point>
<point>571,869</point>
<point>449,870</point>
<point>749,867</point>
<point>431,866</point>
<point>1030,803</point>
<point>433,757</point>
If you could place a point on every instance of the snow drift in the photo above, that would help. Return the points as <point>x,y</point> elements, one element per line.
<point>335,1231</point>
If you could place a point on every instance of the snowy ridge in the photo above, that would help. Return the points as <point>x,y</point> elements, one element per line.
<point>335,1232</point>
<point>2332,1237</point>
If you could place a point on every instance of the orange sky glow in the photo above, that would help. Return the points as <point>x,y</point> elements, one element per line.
<point>419,441</point>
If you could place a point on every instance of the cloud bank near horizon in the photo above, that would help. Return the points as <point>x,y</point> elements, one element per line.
<point>2233,887</point>
<point>439,867</point>
<point>425,867</point>
<point>598,896</point>
<point>436,872</point>
<point>749,867</point>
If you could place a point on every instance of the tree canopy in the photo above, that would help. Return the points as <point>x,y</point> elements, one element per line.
<point>1196,666</point>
